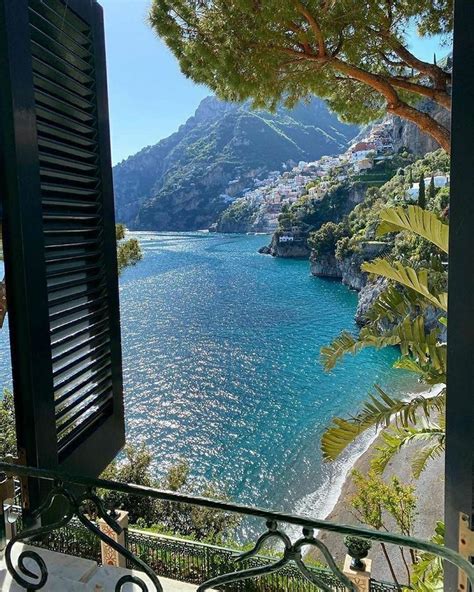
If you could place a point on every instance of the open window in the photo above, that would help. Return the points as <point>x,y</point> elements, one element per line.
<point>59,235</point>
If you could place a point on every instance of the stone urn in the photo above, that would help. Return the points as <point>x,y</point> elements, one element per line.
<point>358,549</point>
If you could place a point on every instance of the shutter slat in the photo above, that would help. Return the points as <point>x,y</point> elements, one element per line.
<point>59,63</point>
<point>57,202</point>
<point>60,35</point>
<point>71,144</point>
<point>44,40</point>
<point>74,295</point>
<point>59,92</point>
<point>73,178</point>
<point>62,107</point>
<point>66,312</point>
<point>73,256</point>
<point>68,389</point>
<point>67,123</point>
<point>55,13</point>
<point>66,163</point>
<point>96,340</point>
<point>57,188</point>
<point>71,283</point>
<point>96,353</point>
<point>86,352</point>
<point>94,418</point>
<point>62,79</point>
<point>93,394</point>
<point>74,320</point>
<point>82,413</point>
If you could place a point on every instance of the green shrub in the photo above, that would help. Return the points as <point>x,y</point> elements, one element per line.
<point>323,242</point>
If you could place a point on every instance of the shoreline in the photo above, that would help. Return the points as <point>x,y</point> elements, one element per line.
<point>357,458</point>
<point>429,490</point>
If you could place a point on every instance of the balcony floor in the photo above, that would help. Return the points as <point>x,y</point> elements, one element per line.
<point>79,575</point>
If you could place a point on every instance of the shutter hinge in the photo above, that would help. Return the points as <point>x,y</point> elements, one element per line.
<point>466,547</point>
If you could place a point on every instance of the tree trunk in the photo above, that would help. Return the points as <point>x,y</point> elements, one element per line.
<point>425,122</point>
<point>395,105</point>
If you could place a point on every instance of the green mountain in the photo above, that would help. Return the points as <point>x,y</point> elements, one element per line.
<point>185,181</point>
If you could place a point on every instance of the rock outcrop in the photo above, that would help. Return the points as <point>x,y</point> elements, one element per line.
<point>289,245</point>
<point>348,269</point>
<point>408,135</point>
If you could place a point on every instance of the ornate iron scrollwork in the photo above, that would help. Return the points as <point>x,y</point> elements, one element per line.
<point>291,553</point>
<point>74,507</point>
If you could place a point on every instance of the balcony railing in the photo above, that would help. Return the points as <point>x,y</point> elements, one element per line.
<point>215,565</point>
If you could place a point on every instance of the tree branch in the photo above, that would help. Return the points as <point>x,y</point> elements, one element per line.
<point>305,45</point>
<point>374,80</point>
<point>339,45</point>
<point>391,62</point>
<point>440,78</point>
<point>438,96</point>
<point>387,87</point>
<point>313,23</point>
<point>395,105</point>
<point>425,122</point>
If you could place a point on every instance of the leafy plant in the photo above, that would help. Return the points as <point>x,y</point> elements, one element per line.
<point>201,524</point>
<point>428,570</point>
<point>7,425</point>
<point>376,500</point>
<point>129,251</point>
<point>323,241</point>
<point>419,418</point>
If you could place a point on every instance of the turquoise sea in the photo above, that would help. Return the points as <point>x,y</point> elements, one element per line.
<point>221,367</point>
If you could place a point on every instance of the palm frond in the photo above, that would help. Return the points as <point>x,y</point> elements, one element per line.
<point>379,410</point>
<point>392,304</point>
<point>417,220</point>
<point>431,372</point>
<point>410,335</point>
<point>408,277</point>
<point>346,343</point>
<point>428,453</point>
<point>396,439</point>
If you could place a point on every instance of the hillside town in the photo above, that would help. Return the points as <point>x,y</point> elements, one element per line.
<point>279,189</point>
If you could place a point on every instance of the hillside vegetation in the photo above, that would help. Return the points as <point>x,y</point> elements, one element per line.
<point>360,225</point>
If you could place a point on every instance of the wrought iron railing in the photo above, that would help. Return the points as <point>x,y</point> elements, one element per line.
<point>194,562</point>
<point>64,488</point>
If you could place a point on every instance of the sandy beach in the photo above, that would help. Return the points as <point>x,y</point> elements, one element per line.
<point>429,489</point>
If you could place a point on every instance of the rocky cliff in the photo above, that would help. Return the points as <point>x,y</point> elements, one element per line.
<point>408,135</point>
<point>348,269</point>
<point>186,180</point>
<point>288,245</point>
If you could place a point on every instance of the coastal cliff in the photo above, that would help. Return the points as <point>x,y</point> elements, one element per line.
<point>348,270</point>
<point>289,245</point>
<point>408,135</point>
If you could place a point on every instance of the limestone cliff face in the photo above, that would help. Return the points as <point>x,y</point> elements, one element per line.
<point>408,135</point>
<point>297,248</point>
<point>349,272</point>
<point>367,296</point>
<point>327,266</point>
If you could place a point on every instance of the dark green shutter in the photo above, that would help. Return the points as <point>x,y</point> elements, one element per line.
<point>59,234</point>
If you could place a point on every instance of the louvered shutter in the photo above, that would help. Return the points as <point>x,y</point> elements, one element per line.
<point>59,234</point>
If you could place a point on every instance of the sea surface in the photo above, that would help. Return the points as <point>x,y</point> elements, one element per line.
<point>221,367</point>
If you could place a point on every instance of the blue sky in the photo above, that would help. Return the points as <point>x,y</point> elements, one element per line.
<point>149,97</point>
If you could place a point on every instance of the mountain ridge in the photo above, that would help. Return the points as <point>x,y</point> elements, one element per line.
<point>184,181</point>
